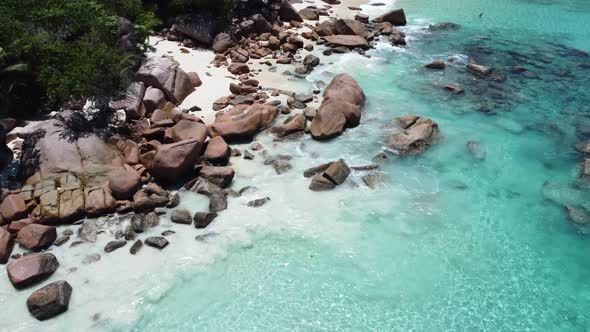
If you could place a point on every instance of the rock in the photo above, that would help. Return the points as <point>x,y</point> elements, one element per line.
<point>31,269</point>
<point>478,70</point>
<point>325,28</point>
<point>291,125</point>
<point>220,176</point>
<point>330,121</point>
<point>203,219</point>
<point>337,172</point>
<point>363,18</point>
<point>114,245</point>
<point>202,28</point>
<point>186,130</point>
<point>238,68</point>
<point>258,202</point>
<point>153,99</point>
<point>436,64</point>
<point>217,152</point>
<point>287,13</point>
<point>158,242</point>
<point>309,14</point>
<point>174,201</point>
<point>320,183</point>
<point>242,122</point>
<point>135,247</point>
<point>577,216</point>
<point>6,245</point>
<point>221,103</point>
<point>92,258</point>
<point>374,180</point>
<point>88,231</point>
<point>181,216</point>
<point>311,60</point>
<point>134,107</point>
<point>476,150</point>
<point>222,42</point>
<point>350,27</point>
<point>414,136</point>
<point>50,301</point>
<point>173,161</point>
<point>315,170</point>
<point>195,79</point>
<point>163,73</point>
<point>455,88</point>
<point>13,208</point>
<point>130,150</point>
<point>350,41</point>
<point>395,17</point>
<point>124,184</point>
<point>61,240</point>
<point>36,237</point>
<point>129,233</point>
<point>217,198</point>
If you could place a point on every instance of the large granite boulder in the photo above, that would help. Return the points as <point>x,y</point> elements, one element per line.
<point>222,42</point>
<point>98,201</point>
<point>243,121</point>
<point>351,41</point>
<point>341,108</point>
<point>13,208</point>
<point>292,125</point>
<point>124,184</point>
<point>288,13</point>
<point>201,28</point>
<point>173,161</point>
<point>217,152</point>
<point>134,107</point>
<point>186,129</point>
<point>36,237</point>
<point>350,27</point>
<point>327,178</point>
<point>221,176</point>
<point>395,17</point>
<point>50,301</point>
<point>164,73</point>
<point>31,269</point>
<point>6,245</point>
<point>412,134</point>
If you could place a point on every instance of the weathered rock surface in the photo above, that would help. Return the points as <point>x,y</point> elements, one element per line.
<point>31,269</point>
<point>328,176</point>
<point>13,208</point>
<point>415,135</point>
<point>341,108</point>
<point>164,73</point>
<point>124,184</point>
<point>181,216</point>
<point>243,121</point>
<point>350,41</point>
<point>217,152</point>
<point>221,176</point>
<point>36,237</point>
<point>203,219</point>
<point>114,245</point>
<point>186,129</point>
<point>6,245</point>
<point>50,301</point>
<point>395,17</point>
<point>288,13</point>
<point>158,242</point>
<point>291,125</point>
<point>173,161</point>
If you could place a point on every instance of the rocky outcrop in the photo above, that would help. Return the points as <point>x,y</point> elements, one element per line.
<point>222,42</point>
<point>164,73</point>
<point>395,17</point>
<point>478,70</point>
<point>243,121</point>
<point>173,161</point>
<point>50,300</point>
<point>198,27</point>
<point>341,108</point>
<point>186,129</point>
<point>412,134</point>
<point>350,27</point>
<point>31,269</point>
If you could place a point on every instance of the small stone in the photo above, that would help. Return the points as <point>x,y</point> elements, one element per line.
<point>135,247</point>
<point>160,211</point>
<point>61,240</point>
<point>248,155</point>
<point>158,242</point>
<point>436,64</point>
<point>91,259</point>
<point>129,233</point>
<point>181,216</point>
<point>114,245</point>
<point>174,201</point>
<point>258,202</point>
<point>168,233</point>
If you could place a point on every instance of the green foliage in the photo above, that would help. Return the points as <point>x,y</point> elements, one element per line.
<point>66,47</point>
<point>218,7</point>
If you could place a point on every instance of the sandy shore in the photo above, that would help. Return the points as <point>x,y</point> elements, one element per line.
<point>108,291</point>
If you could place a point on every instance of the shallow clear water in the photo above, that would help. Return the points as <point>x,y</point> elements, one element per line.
<point>452,242</point>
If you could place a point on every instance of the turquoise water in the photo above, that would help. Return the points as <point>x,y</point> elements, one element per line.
<point>452,242</point>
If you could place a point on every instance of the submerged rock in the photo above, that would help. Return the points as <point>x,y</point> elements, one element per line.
<point>114,245</point>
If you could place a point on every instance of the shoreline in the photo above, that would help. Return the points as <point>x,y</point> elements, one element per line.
<point>77,264</point>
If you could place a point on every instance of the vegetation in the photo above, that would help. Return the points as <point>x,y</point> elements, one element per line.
<point>65,49</point>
